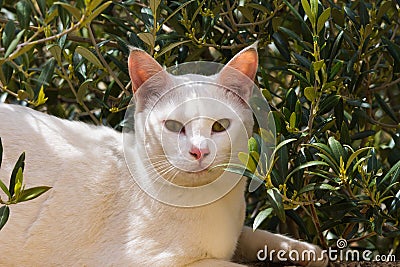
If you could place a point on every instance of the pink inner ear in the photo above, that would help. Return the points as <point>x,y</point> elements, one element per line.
<point>141,68</point>
<point>246,62</point>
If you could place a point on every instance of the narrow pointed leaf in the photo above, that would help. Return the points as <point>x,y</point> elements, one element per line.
<point>323,18</point>
<point>1,152</point>
<point>4,214</point>
<point>20,164</point>
<point>275,198</point>
<point>355,155</point>
<point>315,186</point>
<point>337,149</point>
<point>32,193</point>
<point>261,216</point>
<point>86,53</point>
<point>307,165</point>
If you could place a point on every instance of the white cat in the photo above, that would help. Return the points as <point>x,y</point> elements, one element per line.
<point>96,214</point>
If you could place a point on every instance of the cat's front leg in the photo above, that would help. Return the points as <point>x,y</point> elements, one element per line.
<point>262,245</point>
<point>214,263</point>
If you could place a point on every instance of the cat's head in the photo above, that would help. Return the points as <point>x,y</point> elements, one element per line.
<point>187,124</point>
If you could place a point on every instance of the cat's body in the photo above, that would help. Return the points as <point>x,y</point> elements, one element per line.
<point>97,215</point>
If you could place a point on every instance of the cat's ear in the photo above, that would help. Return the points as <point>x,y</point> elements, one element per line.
<point>238,75</point>
<point>141,67</point>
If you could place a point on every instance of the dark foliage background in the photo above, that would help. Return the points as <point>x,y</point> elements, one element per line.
<point>330,70</point>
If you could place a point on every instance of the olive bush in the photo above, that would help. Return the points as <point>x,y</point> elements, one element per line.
<point>329,69</point>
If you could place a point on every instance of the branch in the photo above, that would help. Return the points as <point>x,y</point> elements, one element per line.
<point>104,62</point>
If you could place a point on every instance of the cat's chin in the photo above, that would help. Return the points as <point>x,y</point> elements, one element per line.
<point>196,178</point>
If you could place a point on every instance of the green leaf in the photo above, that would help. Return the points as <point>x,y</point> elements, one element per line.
<point>323,18</point>
<point>8,33</point>
<point>261,216</point>
<point>383,9</point>
<point>74,11</point>
<point>147,38</point>
<point>24,11</point>
<point>281,45</point>
<point>303,60</point>
<point>315,186</point>
<point>281,144</point>
<point>31,193</point>
<point>56,52</point>
<point>388,110</point>
<point>328,103</point>
<point>363,134</point>
<point>355,155</point>
<point>296,13</point>
<point>252,144</point>
<point>344,134</point>
<point>296,37</point>
<point>83,90</point>
<point>392,171</point>
<point>247,161</point>
<point>307,165</point>
<point>93,4</point>
<point>335,69</point>
<point>363,13</point>
<point>337,149</point>
<point>97,12</point>
<point>42,6</point>
<point>309,93</point>
<point>275,198</point>
<point>1,152</point>
<point>282,161</point>
<point>177,10</point>
<point>314,9</point>
<point>339,114</point>
<point>292,121</point>
<point>4,214</point>
<point>170,47</point>
<point>5,189</point>
<point>14,44</point>
<point>300,77</point>
<point>86,53</point>
<point>309,13</point>
<point>331,162</point>
<point>47,73</point>
<point>19,179</point>
<point>19,165</point>
<point>246,12</point>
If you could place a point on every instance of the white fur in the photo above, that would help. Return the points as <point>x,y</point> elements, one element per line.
<point>95,214</point>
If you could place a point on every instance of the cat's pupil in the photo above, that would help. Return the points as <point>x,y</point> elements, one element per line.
<point>174,126</point>
<point>220,125</point>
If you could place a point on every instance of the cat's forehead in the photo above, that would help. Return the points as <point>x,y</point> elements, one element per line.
<point>190,96</point>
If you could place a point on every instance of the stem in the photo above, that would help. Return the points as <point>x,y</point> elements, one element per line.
<point>44,40</point>
<point>104,62</point>
<point>317,226</point>
<point>71,86</point>
<point>361,238</point>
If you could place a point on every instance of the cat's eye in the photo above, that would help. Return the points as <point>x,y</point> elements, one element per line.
<point>220,125</point>
<point>174,126</point>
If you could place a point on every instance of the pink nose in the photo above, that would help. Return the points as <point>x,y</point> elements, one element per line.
<point>199,153</point>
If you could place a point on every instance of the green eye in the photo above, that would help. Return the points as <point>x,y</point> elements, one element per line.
<point>220,125</point>
<point>174,126</point>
